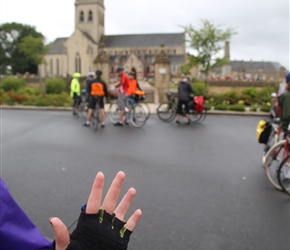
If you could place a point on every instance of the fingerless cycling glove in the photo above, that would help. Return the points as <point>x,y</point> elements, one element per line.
<point>101,231</point>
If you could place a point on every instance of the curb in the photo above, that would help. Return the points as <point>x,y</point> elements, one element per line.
<point>152,106</point>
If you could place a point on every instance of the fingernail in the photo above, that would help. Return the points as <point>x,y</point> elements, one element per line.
<point>50,220</point>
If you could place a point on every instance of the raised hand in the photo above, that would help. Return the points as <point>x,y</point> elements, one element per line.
<point>101,226</point>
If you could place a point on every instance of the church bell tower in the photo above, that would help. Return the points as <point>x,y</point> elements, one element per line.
<point>90,18</point>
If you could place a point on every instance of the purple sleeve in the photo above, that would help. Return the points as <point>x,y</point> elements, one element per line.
<point>16,230</point>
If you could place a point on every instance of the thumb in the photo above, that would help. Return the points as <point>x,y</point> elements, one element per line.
<point>61,234</point>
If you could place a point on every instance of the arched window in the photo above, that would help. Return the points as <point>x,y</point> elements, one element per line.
<point>78,65</point>
<point>90,17</point>
<point>57,67</point>
<point>82,16</point>
<point>51,67</point>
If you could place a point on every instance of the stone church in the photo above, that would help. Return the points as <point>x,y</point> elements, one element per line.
<point>80,51</point>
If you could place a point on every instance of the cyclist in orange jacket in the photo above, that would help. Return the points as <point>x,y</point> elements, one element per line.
<point>133,87</point>
<point>96,90</point>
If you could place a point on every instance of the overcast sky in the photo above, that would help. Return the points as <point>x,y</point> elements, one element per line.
<point>262,25</point>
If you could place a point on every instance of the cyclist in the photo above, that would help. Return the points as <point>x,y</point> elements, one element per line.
<point>97,89</point>
<point>284,103</point>
<point>184,91</point>
<point>89,79</point>
<point>122,93</point>
<point>75,91</point>
<point>133,87</point>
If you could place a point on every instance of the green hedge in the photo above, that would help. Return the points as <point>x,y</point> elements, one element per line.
<point>237,107</point>
<point>54,85</point>
<point>12,83</point>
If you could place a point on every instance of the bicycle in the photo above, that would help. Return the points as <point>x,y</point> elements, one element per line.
<point>83,105</point>
<point>167,111</point>
<point>96,120</point>
<point>274,156</point>
<point>274,136</point>
<point>283,173</point>
<point>135,114</point>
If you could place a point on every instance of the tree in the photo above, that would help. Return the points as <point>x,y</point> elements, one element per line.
<point>11,35</point>
<point>206,43</point>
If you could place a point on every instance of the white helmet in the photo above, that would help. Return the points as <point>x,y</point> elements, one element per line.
<point>91,74</point>
<point>274,95</point>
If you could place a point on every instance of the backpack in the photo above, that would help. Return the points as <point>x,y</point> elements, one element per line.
<point>263,131</point>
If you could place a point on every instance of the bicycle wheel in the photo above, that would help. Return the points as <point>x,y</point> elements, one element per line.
<point>284,175</point>
<point>193,115</point>
<point>138,116</point>
<point>272,162</point>
<point>96,119</point>
<point>203,114</point>
<point>114,112</point>
<point>146,108</point>
<point>166,112</point>
<point>83,109</point>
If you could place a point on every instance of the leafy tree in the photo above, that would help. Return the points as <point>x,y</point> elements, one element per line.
<point>11,36</point>
<point>206,43</point>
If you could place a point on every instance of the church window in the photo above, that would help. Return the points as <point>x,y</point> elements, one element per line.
<point>82,16</point>
<point>174,51</point>
<point>149,52</point>
<point>90,16</point>
<point>51,67</point>
<point>57,67</point>
<point>112,70</point>
<point>78,64</point>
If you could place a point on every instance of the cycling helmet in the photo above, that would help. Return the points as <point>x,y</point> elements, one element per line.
<point>98,72</point>
<point>132,73</point>
<point>92,74</point>
<point>274,95</point>
<point>76,75</point>
<point>120,68</point>
<point>287,78</point>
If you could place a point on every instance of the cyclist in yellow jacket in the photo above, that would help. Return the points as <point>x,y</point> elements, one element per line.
<point>75,91</point>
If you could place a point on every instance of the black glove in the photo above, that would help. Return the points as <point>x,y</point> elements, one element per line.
<point>100,231</point>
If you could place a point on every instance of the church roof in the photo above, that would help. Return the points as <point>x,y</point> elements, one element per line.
<point>177,59</point>
<point>255,66</point>
<point>144,40</point>
<point>57,47</point>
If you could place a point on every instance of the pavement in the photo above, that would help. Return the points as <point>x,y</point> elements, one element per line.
<point>152,106</point>
<point>200,186</point>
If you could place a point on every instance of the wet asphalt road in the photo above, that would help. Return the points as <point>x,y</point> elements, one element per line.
<point>200,187</point>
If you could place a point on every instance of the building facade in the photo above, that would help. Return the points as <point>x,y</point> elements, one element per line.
<point>78,52</point>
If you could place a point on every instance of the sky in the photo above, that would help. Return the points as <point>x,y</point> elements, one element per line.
<point>263,26</point>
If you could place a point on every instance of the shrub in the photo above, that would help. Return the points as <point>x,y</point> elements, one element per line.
<point>237,107</point>
<point>12,83</point>
<point>264,95</point>
<point>42,101</point>
<point>232,96</point>
<point>251,92</point>
<point>265,108</point>
<point>221,107</point>
<point>199,88</point>
<point>54,85</point>
<point>254,107</point>
<point>215,99</point>
<point>31,91</point>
